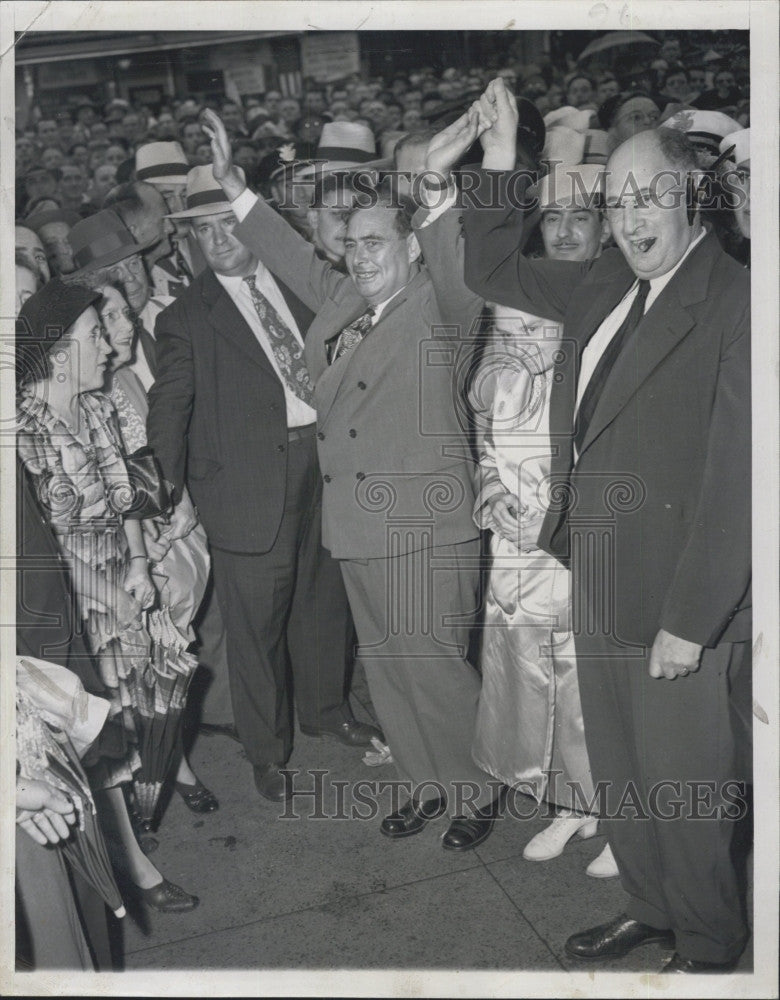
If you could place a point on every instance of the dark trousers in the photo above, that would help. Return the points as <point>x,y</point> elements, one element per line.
<point>286,612</point>
<point>663,742</point>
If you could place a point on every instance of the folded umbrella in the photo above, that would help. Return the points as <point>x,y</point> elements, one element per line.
<point>162,692</point>
<point>45,753</point>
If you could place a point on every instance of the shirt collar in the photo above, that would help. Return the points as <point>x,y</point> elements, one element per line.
<point>232,283</point>
<point>378,310</point>
<point>658,284</point>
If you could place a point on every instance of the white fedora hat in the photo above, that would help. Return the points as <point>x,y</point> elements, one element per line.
<point>741,143</point>
<point>161,163</point>
<point>343,145</point>
<point>204,195</point>
<point>572,187</point>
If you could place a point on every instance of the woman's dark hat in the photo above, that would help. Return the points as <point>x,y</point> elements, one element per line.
<point>44,319</point>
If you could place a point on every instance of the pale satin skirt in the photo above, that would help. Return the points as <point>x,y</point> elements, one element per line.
<point>529,730</point>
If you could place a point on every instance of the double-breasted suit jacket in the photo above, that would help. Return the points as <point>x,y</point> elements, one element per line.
<point>389,426</point>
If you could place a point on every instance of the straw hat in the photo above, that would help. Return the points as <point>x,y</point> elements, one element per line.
<point>741,143</point>
<point>161,163</point>
<point>204,195</point>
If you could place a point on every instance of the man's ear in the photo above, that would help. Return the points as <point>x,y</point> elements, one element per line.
<point>606,231</point>
<point>413,247</point>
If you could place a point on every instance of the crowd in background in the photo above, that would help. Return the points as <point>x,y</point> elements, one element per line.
<point>96,244</point>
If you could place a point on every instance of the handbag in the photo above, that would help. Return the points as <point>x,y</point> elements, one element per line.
<point>151,494</point>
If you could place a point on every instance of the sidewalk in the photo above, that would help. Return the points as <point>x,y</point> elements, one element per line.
<point>329,893</point>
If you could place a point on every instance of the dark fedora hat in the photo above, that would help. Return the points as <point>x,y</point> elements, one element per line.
<point>99,241</point>
<point>44,319</point>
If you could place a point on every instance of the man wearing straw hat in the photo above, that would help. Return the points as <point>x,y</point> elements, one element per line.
<point>165,166</point>
<point>231,416</point>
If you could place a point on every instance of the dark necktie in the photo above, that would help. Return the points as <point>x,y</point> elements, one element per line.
<point>182,268</point>
<point>149,346</point>
<point>352,334</point>
<point>600,375</point>
<point>287,350</point>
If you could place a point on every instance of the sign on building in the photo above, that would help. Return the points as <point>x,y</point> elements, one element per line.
<point>331,55</point>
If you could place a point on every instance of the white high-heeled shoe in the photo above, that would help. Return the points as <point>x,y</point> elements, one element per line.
<point>551,841</point>
<point>604,866</point>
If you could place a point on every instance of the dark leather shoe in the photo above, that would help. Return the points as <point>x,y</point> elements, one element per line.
<point>351,733</point>
<point>197,797</point>
<point>219,729</point>
<point>467,832</point>
<point>615,939</point>
<point>411,818</point>
<point>271,784</point>
<point>168,898</point>
<point>691,965</point>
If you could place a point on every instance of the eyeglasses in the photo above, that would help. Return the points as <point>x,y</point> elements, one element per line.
<point>134,265</point>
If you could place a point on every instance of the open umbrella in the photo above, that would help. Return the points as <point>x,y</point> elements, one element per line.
<point>161,692</point>
<point>46,753</point>
<point>615,40</point>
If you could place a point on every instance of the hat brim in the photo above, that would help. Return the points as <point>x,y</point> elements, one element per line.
<point>217,208</point>
<point>108,260</point>
<point>343,167</point>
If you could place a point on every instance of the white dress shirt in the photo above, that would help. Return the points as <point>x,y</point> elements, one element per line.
<point>299,414</point>
<point>613,321</point>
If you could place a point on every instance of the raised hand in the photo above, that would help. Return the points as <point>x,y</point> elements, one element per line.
<point>499,141</point>
<point>449,145</point>
<point>225,171</point>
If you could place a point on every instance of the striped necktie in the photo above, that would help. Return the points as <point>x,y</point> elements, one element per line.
<point>287,350</point>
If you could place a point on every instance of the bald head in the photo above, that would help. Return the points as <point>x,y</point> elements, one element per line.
<point>646,200</point>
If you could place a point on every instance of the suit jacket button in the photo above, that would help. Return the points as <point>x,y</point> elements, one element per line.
<point>326,479</point>
<point>280,447</point>
<point>320,436</point>
<point>360,475</point>
<point>361,385</point>
<point>352,432</point>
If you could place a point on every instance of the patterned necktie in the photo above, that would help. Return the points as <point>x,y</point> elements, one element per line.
<point>351,335</point>
<point>287,350</point>
<point>601,372</point>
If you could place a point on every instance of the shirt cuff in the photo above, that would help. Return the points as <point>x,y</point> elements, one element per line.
<point>244,204</point>
<point>432,214</point>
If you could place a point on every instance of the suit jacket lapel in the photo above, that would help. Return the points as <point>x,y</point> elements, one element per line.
<point>330,380</point>
<point>226,318</point>
<point>662,328</point>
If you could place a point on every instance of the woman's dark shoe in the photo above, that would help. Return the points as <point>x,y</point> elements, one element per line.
<point>168,898</point>
<point>197,797</point>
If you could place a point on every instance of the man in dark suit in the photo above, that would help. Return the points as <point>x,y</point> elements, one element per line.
<point>655,383</point>
<point>398,489</point>
<point>230,414</point>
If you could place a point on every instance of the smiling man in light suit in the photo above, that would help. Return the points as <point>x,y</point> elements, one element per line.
<point>398,492</point>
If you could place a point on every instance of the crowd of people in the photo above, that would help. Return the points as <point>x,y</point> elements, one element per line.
<point>244,297</point>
